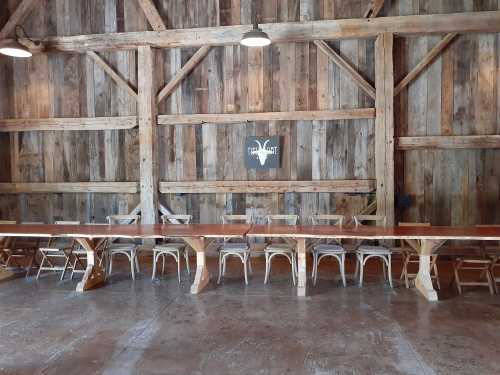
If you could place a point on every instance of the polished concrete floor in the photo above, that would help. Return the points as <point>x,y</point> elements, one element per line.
<point>146,327</point>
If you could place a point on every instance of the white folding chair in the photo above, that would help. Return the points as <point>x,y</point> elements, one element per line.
<point>238,248</point>
<point>286,248</point>
<point>57,248</point>
<point>123,247</point>
<point>22,248</point>
<point>328,248</point>
<point>366,252</point>
<point>410,256</point>
<point>171,248</point>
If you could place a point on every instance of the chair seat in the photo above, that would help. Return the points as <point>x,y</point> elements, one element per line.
<point>279,247</point>
<point>169,247</point>
<point>234,247</point>
<point>328,248</point>
<point>379,250</point>
<point>51,249</point>
<point>121,247</point>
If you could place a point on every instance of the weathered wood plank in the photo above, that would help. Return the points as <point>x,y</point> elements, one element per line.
<point>148,147</point>
<point>422,65</point>
<point>384,126</point>
<point>22,10</point>
<point>235,118</point>
<point>70,187</point>
<point>63,123</point>
<point>113,74</point>
<point>473,22</point>
<point>347,67</point>
<point>152,15</point>
<point>258,187</point>
<point>449,142</point>
<point>183,72</point>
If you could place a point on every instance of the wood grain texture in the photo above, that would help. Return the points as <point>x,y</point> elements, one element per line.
<point>449,142</point>
<point>152,15</point>
<point>69,187</point>
<point>263,187</point>
<point>22,10</point>
<point>67,124</point>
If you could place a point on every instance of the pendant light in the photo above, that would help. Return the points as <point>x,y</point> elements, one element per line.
<point>255,37</point>
<point>12,47</point>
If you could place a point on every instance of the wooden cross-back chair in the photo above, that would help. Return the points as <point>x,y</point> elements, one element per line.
<point>238,248</point>
<point>366,252</point>
<point>126,248</point>
<point>286,248</point>
<point>57,249</point>
<point>328,248</point>
<point>410,256</point>
<point>171,247</point>
<point>5,242</point>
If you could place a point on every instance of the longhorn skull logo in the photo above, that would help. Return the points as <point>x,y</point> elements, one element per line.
<point>262,152</point>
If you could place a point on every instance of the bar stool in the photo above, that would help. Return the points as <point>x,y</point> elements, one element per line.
<point>366,252</point>
<point>231,248</point>
<point>323,249</point>
<point>128,249</point>
<point>410,256</point>
<point>57,248</point>
<point>286,249</point>
<point>173,249</point>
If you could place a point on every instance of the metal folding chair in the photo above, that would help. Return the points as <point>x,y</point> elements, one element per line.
<point>57,248</point>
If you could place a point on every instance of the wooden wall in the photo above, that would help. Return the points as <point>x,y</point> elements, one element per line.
<point>457,95</point>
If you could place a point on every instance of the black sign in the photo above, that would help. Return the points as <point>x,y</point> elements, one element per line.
<point>262,152</point>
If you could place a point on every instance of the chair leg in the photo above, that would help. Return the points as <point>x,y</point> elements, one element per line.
<point>294,269</point>
<point>136,260</point>
<point>315,268</point>
<point>153,276</point>
<point>66,263</point>
<point>224,259</point>
<point>384,271</point>
<point>132,266</point>
<point>490,282</point>
<point>342,269</point>
<point>73,269</point>
<point>356,271</point>
<point>250,270</point>
<point>436,273</point>
<point>110,263</point>
<point>361,267</point>
<point>245,260</point>
<point>389,269</point>
<point>178,259</point>
<point>220,268</point>
<point>30,265</point>
<point>163,262</point>
<point>41,265</point>
<point>186,257</point>
<point>457,278</point>
<point>268,268</point>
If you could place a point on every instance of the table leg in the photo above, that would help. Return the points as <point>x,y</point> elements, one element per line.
<point>94,275</point>
<point>301,271</point>
<point>202,277</point>
<point>423,282</point>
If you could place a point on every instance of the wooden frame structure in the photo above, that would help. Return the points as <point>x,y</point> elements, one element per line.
<point>147,96</point>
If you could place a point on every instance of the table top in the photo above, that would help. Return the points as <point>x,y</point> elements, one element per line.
<point>373,232</point>
<point>240,230</point>
<point>124,231</point>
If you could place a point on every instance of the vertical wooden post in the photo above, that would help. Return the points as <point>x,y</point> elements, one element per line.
<point>384,125</point>
<point>148,147</point>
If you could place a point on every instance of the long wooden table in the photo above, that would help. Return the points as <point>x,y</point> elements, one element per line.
<point>426,240</point>
<point>89,235</point>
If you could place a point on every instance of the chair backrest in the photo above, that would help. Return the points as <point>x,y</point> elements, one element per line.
<point>327,219</point>
<point>8,222</point>
<point>176,219</point>
<point>282,219</point>
<point>67,222</point>
<point>123,219</point>
<point>236,219</point>
<point>361,219</point>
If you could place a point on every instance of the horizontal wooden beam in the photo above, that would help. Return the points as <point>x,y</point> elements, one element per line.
<point>70,187</point>
<point>465,22</point>
<point>317,186</point>
<point>63,123</point>
<point>426,61</point>
<point>234,118</point>
<point>449,142</point>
